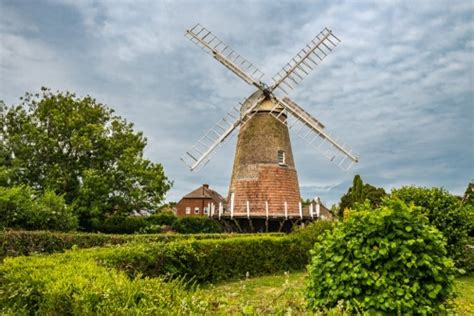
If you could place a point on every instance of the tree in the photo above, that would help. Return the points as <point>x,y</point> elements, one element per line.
<point>445,212</point>
<point>79,149</point>
<point>358,193</point>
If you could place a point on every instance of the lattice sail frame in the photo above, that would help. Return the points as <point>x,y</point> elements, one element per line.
<point>304,62</point>
<point>203,150</point>
<point>291,75</point>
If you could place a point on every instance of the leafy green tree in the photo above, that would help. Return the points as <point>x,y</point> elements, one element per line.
<point>445,212</point>
<point>358,193</point>
<point>79,149</point>
<point>387,261</point>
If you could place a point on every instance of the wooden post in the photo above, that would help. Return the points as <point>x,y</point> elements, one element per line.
<point>301,209</point>
<point>232,205</point>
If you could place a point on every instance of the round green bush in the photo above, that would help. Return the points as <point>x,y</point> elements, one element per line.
<point>387,260</point>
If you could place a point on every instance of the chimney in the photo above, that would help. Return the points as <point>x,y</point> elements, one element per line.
<point>205,186</point>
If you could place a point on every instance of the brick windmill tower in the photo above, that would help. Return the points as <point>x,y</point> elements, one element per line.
<point>264,192</point>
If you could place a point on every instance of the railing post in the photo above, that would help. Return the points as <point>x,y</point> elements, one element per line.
<point>232,205</point>
<point>318,208</point>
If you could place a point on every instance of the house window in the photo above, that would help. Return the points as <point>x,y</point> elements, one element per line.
<point>205,210</point>
<point>281,157</point>
<point>196,210</point>
<point>188,210</point>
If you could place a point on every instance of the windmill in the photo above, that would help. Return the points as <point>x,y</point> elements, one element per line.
<point>264,182</point>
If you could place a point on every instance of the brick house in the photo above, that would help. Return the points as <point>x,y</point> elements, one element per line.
<point>199,202</point>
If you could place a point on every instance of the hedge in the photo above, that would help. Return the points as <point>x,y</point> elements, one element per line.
<point>19,243</point>
<point>94,281</point>
<point>55,285</point>
<point>207,260</point>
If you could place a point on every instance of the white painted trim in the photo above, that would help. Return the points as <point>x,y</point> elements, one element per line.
<point>286,210</point>
<point>266,208</point>
<point>301,209</point>
<point>248,209</point>
<point>232,205</point>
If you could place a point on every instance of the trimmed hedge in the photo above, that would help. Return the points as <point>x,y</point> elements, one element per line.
<point>21,243</point>
<point>207,260</point>
<point>56,285</point>
<point>92,281</point>
<point>156,223</point>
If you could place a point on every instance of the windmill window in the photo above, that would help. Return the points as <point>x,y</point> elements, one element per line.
<point>281,158</point>
<point>206,210</point>
<point>188,210</point>
<point>196,210</point>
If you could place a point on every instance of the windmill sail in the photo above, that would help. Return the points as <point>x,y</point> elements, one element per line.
<point>314,133</point>
<point>244,69</point>
<point>309,57</point>
<point>201,152</point>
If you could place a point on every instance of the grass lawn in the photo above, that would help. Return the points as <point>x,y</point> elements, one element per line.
<point>283,294</point>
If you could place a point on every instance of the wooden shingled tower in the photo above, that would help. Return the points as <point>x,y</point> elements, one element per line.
<point>264,183</point>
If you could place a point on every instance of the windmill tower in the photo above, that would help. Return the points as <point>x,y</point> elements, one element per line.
<point>264,182</point>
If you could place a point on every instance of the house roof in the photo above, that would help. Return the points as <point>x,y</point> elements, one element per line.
<point>203,192</point>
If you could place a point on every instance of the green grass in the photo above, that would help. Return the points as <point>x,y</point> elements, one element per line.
<point>465,299</point>
<point>283,294</point>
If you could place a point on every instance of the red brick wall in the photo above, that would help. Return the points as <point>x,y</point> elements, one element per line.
<point>274,184</point>
<point>192,203</point>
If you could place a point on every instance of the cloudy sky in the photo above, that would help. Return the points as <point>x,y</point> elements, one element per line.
<point>398,89</point>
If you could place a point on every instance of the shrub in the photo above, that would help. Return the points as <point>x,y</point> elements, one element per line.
<point>23,208</point>
<point>445,212</point>
<point>120,224</point>
<point>15,202</point>
<point>308,235</point>
<point>207,260</point>
<point>163,218</point>
<point>388,260</point>
<point>194,225</point>
<point>57,285</point>
<point>18,243</point>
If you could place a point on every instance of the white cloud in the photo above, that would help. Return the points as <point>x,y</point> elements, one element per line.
<point>399,87</point>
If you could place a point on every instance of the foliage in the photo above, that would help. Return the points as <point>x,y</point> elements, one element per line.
<point>308,235</point>
<point>55,285</point>
<point>77,148</point>
<point>207,260</point>
<point>358,193</point>
<point>387,260</point>
<point>22,207</point>
<point>120,224</point>
<point>196,224</point>
<point>444,211</point>
<point>23,243</point>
